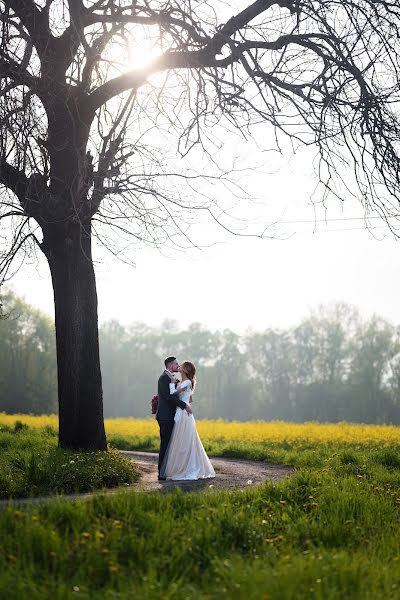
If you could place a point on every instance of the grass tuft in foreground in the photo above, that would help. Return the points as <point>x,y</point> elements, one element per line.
<point>319,535</point>
<point>32,465</point>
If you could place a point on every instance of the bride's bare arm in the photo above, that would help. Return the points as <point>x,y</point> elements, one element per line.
<point>177,390</point>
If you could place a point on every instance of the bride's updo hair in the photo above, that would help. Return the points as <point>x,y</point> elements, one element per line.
<point>190,371</point>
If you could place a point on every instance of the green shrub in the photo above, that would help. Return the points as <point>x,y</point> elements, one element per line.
<point>388,458</point>
<point>348,458</point>
<point>19,426</point>
<point>31,464</point>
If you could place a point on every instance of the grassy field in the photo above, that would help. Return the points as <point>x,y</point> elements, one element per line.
<point>32,465</point>
<point>330,532</point>
<point>297,444</point>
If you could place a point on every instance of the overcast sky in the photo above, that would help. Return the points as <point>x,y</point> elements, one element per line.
<point>242,282</point>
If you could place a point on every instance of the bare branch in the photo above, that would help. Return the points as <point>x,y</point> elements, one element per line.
<point>78,120</point>
<point>14,180</point>
<point>34,20</point>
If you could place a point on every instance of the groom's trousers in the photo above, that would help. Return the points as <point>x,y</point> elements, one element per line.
<point>166,428</point>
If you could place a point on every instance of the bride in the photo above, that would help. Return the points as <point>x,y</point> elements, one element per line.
<point>185,457</point>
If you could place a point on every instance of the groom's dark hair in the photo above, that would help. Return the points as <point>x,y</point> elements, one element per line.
<point>169,360</point>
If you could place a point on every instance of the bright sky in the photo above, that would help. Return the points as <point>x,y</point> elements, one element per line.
<point>245,282</point>
<point>241,282</point>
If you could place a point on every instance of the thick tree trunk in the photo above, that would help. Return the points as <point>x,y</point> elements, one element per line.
<point>67,247</point>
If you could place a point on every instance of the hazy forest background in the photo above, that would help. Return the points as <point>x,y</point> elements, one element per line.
<point>332,366</point>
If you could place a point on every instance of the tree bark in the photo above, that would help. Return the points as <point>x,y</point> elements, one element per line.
<point>67,247</point>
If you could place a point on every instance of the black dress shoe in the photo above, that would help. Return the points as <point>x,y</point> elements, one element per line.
<point>161,478</point>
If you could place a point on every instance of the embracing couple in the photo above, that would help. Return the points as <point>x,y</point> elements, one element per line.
<point>182,455</point>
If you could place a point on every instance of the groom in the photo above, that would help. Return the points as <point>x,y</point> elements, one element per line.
<point>167,404</point>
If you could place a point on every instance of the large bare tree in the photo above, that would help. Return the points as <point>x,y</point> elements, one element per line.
<point>72,113</point>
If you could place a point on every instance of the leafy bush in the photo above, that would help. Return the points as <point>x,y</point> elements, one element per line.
<point>389,458</point>
<point>31,465</point>
<point>20,426</point>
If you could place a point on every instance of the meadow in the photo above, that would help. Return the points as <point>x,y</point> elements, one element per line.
<point>32,465</point>
<point>331,531</point>
<point>298,444</point>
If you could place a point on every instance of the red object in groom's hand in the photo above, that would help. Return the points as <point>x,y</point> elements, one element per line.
<point>154,404</point>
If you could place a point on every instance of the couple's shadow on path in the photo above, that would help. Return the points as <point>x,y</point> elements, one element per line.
<point>230,473</point>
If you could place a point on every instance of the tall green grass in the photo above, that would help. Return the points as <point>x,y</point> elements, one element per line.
<point>31,465</point>
<point>301,453</point>
<point>324,534</point>
<point>330,532</point>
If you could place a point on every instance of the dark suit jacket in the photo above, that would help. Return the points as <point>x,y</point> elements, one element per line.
<point>167,402</point>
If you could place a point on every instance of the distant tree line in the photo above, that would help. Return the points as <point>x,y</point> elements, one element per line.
<point>28,368</point>
<point>332,366</point>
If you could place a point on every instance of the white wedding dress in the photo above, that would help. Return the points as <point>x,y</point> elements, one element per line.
<point>185,458</point>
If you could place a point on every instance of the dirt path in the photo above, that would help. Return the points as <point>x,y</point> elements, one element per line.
<point>230,473</point>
